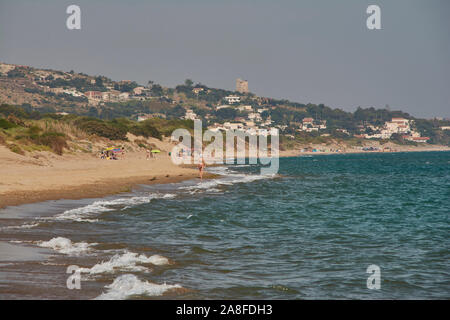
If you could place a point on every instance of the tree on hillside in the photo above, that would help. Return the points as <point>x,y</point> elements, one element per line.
<point>226,114</point>
<point>156,90</point>
<point>188,83</point>
<point>176,112</point>
<point>99,81</point>
<point>278,116</point>
<point>128,87</point>
<point>265,115</point>
<point>15,73</point>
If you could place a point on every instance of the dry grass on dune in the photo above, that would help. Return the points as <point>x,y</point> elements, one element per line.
<point>68,129</point>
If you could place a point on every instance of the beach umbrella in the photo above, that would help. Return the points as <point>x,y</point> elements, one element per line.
<point>156,151</point>
<point>109,149</point>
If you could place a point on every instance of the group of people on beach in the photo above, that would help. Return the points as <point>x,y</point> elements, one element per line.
<point>112,154</point>
<point>151,154</point>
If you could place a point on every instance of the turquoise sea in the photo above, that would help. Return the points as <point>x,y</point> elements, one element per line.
<point>309,232</point>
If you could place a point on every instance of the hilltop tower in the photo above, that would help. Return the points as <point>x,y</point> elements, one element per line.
<point>241,85</point>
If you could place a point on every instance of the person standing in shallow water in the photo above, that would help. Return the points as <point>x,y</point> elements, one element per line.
<point>201,167</point>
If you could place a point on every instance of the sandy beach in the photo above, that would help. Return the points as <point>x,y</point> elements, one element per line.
<point>27,179</point>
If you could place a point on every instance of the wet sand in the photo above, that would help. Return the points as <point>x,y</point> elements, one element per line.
<point>13,252</point>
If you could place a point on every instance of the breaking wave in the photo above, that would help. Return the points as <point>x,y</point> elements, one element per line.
<point>128,285</point>
<point>85,214</point>
<point>66,246</point>
<point>128,261</point>
<point>23,226</point>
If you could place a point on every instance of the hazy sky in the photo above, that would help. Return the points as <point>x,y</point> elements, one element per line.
<point>317,51</point>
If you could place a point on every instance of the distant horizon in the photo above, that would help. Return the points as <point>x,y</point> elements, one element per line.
<point>308,51</point>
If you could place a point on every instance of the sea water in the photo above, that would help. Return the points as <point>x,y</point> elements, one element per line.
<point>309,232</point>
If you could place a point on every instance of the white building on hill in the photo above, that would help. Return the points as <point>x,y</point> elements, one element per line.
<point>190,115</point>
<point>232,99</point>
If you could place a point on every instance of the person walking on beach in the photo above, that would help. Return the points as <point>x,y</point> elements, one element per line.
<point>201,167</point>
<point>148,154</point>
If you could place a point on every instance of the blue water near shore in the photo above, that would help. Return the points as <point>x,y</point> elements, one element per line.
<point>308,233</point>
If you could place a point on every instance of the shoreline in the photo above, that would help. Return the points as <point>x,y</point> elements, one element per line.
<point>45,176</point>
<point>88,191</point>
<point>82,178</point>
<point>296,153</point>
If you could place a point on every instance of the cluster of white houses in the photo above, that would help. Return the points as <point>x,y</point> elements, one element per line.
<point>396,126</point>
<point>95,97</point>
<point>401,126</point>
<point>112,95</point>
<point>253,123</point>
<point>71,91</point>
<point>310,125</point>
<point>237,126</point>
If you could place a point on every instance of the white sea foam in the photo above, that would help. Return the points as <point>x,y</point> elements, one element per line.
<point>52,264</point>
<point>85,214</point>
<point>21,241</point>
<point>66,246</point>
<point>23,226</point>
<point>128,285</point>
<point>127,261</point>
<point>227,179</point>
